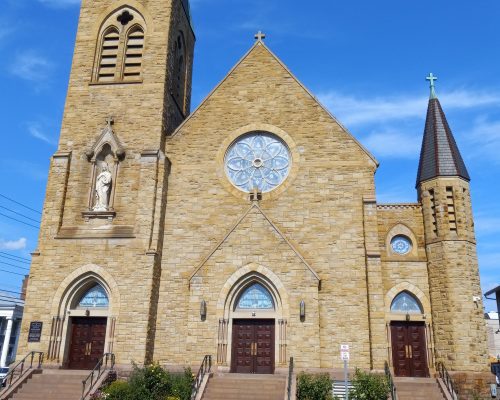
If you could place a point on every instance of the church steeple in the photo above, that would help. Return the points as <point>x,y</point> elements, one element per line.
<point>439,155</point>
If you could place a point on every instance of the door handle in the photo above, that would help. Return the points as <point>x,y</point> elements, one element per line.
<point>255,349</point>
<point>411,350</point>
<point>407,353</point>
<point>251,349</point>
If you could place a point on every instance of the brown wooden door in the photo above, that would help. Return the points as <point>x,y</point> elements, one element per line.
<point>253,346</point>
<point>409,351</point>
<point>87,342</point>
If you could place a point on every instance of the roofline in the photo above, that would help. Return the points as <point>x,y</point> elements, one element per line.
<point>261,43</point>
<point>490,292</point>
<point>441,176</point>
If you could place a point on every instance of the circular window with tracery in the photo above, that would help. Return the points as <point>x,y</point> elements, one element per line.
<point>401,244</point>
<point>258,160</point>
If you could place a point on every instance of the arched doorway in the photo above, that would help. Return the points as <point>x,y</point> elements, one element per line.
<point>86,337</point>
<point>408,336</point>
<point>253,339</point>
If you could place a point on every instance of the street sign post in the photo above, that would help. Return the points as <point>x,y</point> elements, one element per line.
<point>344,356</point>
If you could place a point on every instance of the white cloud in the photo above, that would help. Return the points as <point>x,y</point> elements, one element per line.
<point>484,138</point>
<point>60,3</point>
<point>353,110</point>
<point>36,131</point>
<point>31,66</point>
<point>19,244</point>
<point>392,144</point>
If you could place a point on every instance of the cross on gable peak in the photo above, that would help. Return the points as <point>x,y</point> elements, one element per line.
<point>110,121</point>
<point>259,36</point>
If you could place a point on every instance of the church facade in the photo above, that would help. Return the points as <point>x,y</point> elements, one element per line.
<point>248,229</point>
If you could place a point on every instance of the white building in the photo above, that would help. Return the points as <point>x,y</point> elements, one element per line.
<point>493,334</point>
<point>11,314</point>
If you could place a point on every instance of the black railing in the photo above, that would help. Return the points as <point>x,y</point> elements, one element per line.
<point>390,381</point>
<point>448,381</point>
<point>21,369</point>
<point>290,376</point>
<point>106,362</point>
<point>205,368</point>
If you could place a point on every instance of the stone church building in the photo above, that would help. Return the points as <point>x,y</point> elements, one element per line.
<point>248,229</point>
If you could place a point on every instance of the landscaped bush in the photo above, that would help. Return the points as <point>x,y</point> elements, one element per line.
<point>151,383</point>
<point>314,387</point>
<point>369,387</point>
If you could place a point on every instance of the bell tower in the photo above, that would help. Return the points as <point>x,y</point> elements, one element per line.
<point>102,224</point>
<point>443,190</point>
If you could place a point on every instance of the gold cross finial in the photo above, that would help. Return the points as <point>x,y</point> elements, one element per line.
<point>259,36</point>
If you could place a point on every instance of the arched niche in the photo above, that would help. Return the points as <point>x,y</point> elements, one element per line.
<point>104,158</point>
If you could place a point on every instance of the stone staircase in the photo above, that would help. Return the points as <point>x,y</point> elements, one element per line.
<point>245,387</point>
<point>418,389</point>
<point>53,384</point>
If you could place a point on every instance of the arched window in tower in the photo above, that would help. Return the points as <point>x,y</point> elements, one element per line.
<point>132,65</point>
<point>179,73</point>
<point>95,297</point>
<point>406,303</point>
<point>257,297</point>
<point>109,55</point>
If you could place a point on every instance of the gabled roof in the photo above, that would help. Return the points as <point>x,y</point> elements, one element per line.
<point>439,155</point>
<point>260,43</point>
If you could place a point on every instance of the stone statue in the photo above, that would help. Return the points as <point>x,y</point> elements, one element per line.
<point>102,189</point>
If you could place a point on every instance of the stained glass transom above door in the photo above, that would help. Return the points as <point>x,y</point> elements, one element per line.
<point>404,302</point>
<point>257,160</point>
<point>257,297</point>
<point>94,297</point>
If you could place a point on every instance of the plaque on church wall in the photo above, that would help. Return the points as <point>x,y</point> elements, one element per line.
<point>35,332</point>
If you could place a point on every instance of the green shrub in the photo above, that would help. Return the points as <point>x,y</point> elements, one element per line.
<point>369,387</point>
<point>151,383</point>
<point>314,387</point>
<point>118,390</point>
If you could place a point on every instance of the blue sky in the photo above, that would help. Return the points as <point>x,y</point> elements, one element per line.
<point>365,60</point>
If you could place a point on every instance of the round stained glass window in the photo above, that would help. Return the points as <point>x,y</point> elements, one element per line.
<point>401,244</point>
<point>258,160</point>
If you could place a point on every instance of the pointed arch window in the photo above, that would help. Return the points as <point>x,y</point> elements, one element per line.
<point>120,51</point>
<point>255,296</point>
<point>132,66</point>
<point>109,55</point>
<point>179,76</point>
<point>95,297</point>
<point>406,303</point>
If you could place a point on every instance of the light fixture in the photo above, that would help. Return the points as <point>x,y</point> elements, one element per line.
<point>408,316</point>
<point>302,310</point>
<point>203,310</point>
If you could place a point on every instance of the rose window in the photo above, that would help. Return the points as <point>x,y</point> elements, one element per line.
<point>257,160</point>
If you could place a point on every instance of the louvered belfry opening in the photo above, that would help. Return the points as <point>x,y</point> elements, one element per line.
<point>132,65</point>
<point>109,55</point>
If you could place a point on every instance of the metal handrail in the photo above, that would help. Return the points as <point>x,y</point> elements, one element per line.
<point>290,375</point>
<point>100,368</point>
<point>448,381</point>
<point>205,368</point>
<point>19,369</point>
<point>390,381</point>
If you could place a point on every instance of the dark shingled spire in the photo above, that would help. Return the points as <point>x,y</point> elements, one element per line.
<point>439,155</point>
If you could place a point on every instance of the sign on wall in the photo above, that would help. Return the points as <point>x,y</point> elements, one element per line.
<point>35,333</point>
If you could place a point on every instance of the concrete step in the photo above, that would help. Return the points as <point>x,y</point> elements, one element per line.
<point>53,384</point>
<point>418,389</point>
<point>245,387</point>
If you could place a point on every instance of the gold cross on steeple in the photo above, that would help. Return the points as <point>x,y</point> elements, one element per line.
<point>259,36</point>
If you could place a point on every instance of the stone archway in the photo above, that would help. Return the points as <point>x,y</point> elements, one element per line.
<point>271,320</point>
<point>69,314</point>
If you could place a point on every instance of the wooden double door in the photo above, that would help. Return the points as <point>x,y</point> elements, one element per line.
<point>88,336</point>
<point>253,346</point>
<point>409,349</point>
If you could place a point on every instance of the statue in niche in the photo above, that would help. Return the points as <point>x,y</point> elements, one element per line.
<point>102,189</point>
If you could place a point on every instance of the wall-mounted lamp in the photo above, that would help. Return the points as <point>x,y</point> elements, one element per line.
<point>203,310</point>
<point>302,310</point>
<point>408,316</point>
